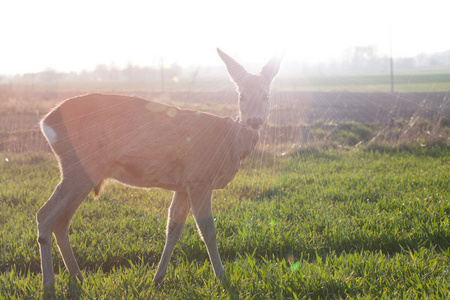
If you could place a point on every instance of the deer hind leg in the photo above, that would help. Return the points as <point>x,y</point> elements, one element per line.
<point>54,216</point>
<point>201,207</point>
<point>61,233</point>
<point>178,212</point>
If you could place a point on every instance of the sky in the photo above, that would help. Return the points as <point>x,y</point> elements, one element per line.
<point>78,35</point>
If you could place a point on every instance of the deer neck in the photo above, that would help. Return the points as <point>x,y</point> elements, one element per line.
<point>246,139</point>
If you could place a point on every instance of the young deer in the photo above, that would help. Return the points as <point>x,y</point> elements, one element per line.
<point>147,144</point>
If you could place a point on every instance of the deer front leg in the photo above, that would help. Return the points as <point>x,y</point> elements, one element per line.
<point>201,207</point>
<point>178,212</point>
<point>207,230</point>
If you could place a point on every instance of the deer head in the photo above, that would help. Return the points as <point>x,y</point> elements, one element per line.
<point>253,89</point>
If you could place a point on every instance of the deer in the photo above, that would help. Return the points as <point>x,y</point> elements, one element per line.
<point>147,144</point>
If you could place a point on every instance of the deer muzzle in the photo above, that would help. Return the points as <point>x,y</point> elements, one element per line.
<point>255,123</point>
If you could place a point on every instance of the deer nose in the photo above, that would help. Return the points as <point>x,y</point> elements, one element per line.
<point>255,123</point>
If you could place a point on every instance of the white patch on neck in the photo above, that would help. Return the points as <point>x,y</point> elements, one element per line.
<point>49,133</point>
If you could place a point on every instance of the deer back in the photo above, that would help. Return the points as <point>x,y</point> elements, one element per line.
<point>145,143</point>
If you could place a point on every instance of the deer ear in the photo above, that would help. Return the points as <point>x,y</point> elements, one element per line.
<point>236,71</point>
<point>270,70</point>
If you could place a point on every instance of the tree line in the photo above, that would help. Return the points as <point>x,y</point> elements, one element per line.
<point>360,59</point>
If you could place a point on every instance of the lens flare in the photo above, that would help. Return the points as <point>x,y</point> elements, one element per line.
<point>172,112</point>
<point>291,260</point>
<point>295,266</point>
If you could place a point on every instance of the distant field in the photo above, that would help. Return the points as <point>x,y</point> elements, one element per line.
<point>405,83</point>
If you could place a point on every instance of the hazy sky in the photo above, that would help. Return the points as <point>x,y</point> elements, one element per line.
<point>77,35</point>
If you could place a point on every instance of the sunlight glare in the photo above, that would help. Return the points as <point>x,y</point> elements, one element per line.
<point>76,36</point>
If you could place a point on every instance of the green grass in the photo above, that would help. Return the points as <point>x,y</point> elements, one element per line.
<point>355,224</point>
<point>403,82</point>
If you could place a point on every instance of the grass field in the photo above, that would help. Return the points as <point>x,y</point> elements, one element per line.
<point>403,82</point>
<point>319,224</point>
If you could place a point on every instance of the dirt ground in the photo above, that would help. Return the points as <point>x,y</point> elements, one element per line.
<point>19,126</point>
